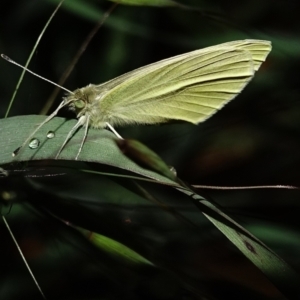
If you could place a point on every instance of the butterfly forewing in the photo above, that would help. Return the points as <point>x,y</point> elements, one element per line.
<point>189,87</point>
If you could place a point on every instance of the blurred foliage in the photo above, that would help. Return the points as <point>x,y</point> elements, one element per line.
<point>254,140</point>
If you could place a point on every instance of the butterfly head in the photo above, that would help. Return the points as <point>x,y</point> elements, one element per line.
<point>81,100</point>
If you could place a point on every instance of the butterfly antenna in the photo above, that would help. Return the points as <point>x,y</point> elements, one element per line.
<point>76,58</point>
<point>41,77</point>
<point>62,104</point>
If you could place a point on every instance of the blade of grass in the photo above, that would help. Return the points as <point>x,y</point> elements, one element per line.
<point>30,57</point>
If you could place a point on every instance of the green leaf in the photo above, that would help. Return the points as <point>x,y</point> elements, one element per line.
<point>145,157</point>
<point>114,248</point>
<point>275,268</point>
<point>99,146</point>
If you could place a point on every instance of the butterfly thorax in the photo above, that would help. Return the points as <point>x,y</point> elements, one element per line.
<point>85,101</point>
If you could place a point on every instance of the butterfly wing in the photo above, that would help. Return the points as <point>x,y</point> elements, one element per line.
<point>189,87</point>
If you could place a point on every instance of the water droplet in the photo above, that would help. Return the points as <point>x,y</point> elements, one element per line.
<point>50,135</point>
<point>173,170</point>
<point>15,153</point>
<point>34,143</point>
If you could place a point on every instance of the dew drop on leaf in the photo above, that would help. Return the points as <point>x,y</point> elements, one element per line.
<point>50,135</point>
<point>34,143</point>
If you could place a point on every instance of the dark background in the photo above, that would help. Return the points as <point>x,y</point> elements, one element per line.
<point>254,140</point>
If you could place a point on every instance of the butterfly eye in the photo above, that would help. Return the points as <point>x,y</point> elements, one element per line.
<point>79,104</point>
